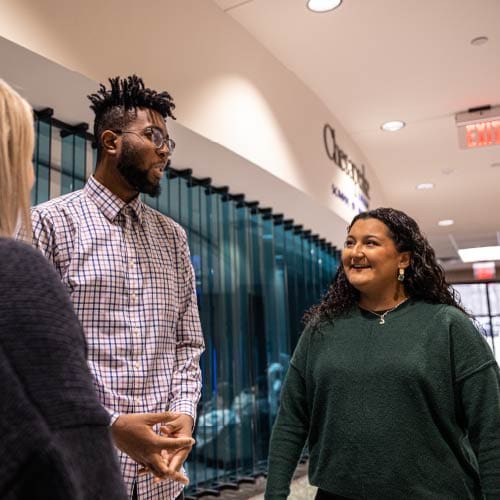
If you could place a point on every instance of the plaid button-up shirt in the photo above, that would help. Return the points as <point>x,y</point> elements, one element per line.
<point>128,271</point>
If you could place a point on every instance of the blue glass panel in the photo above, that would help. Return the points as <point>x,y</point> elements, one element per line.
<point>79,161</point>
<point>173,198</point>
<point>254,279</point>
<point>282,313</point>
<point>292,257</point>
<point>203,460</point>
<point>300,274</point>
<point>258,326</point>
<point>246,402</point>
<point>184,204</point>
<point>216,420</point>
<point>67,164</point>
<point>162,202</point>
<point>41,190</point>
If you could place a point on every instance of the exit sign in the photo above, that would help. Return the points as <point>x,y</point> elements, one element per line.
<point>483,270</point>
<point>479,127</point>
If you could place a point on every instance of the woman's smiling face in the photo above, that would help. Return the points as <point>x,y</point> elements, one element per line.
<point>370,257</point>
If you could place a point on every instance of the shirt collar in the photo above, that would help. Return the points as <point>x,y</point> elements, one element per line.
<point>109,203</point>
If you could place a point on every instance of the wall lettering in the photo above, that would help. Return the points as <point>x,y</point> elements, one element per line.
<point>341,159</point>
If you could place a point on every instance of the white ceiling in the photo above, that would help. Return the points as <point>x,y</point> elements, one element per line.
<point>371,61</point>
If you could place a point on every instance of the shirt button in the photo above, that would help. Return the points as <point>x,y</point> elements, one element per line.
<point>137,365</point>
<point>135,331</point>
<point>132,264</point>
<point>138,401</point>
<point>133,297</point>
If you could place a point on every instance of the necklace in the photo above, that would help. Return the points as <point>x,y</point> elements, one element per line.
<point>385,313</point>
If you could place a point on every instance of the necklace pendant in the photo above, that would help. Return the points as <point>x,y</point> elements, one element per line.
<point>382,321</point>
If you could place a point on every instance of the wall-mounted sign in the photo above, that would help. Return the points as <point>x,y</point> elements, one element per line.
<point>356,202</point>
<point>479,127</point>
<point>341,159</point>
<point>483,270</point>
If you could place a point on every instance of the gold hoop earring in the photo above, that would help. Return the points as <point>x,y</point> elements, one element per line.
<point>401,275</point>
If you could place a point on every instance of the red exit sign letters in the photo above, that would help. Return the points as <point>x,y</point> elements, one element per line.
<point>479,127</point>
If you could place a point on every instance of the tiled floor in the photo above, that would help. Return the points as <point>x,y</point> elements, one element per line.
<point>301,489</point>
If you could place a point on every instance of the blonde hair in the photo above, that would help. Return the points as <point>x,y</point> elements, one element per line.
<point>16,152</point>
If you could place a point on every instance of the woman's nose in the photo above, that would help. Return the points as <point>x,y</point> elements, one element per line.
<point>357,250</point>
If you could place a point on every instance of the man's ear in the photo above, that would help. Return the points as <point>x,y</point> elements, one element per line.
<point>404,259</point>
<point>110,142</point>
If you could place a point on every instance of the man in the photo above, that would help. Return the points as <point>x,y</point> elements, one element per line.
<point>128,272</point>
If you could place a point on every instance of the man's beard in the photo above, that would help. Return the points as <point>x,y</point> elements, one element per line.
<point>137,178</point>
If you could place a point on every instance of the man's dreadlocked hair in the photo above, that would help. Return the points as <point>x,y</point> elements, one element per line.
<point>117,107</point>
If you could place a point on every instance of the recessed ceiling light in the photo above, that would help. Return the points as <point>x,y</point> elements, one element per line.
<point>425,185</point>
<point>323,5</point>
<point>479,40</point>
<point>393,126</point>
<point>446,222</point>
<point>479,253</point>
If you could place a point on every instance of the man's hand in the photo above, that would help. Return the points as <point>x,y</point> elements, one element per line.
<point>133,433</point>
<point>179,427</point>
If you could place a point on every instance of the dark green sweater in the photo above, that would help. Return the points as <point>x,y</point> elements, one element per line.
<point>405,410</point>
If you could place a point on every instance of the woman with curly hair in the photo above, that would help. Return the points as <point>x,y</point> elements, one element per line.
<point>392,387</point>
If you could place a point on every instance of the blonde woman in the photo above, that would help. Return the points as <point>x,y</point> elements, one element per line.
<point>16,169</point>
<point>55,440</point>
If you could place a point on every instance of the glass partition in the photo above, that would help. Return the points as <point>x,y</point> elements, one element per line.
<point>256,274</point>
<point>482,300</point>
<point>42,164</point>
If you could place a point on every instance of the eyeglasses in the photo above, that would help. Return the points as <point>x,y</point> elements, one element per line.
<point>155,135</point>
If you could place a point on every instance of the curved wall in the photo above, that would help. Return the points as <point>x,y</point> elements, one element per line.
<point>229,90</point>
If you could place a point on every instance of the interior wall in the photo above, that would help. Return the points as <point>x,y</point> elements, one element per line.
<point>228,89</point>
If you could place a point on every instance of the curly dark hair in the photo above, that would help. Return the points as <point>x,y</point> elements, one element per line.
<point>424,278</point>
<point>117,107</point>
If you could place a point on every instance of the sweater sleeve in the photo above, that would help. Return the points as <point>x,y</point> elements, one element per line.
<point>291,427</point>
<point>478,382</point>
<point>57,429</point>
<point>44,340</point>
<point>480,395</point>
